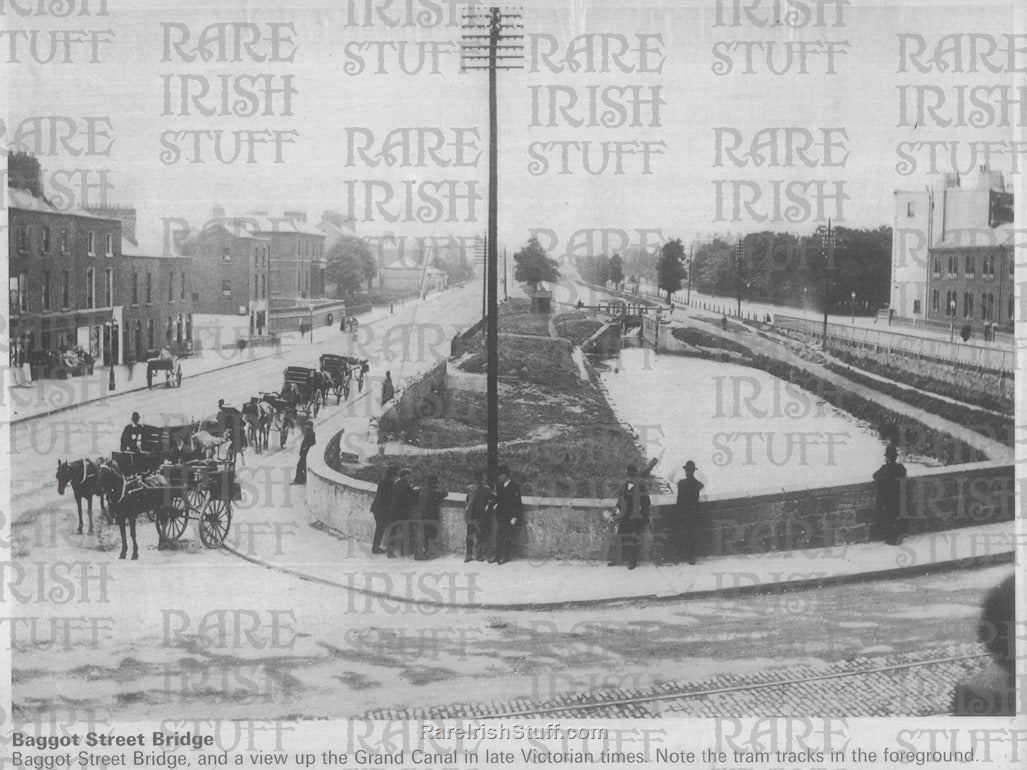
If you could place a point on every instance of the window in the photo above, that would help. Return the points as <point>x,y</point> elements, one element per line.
<point>937,267</point>
<point>18,286</point>
<point>970,266</point>
<point>988,266</point>
<point>226,288</point>
<point>149,333</point>
<point>299,281</point>
<point>108,288</point>
<point>181,294</point>
<point>968,305</point>
<point>109,245</point>
<point>984,307</point>
<point>90,288</point>
<point>910,209</point>
<point>23,239</point>
<point>226,254</point>
<point>46,239</point>
<point>953,266</point>
<point>91,243</point>
<point>1009,311</point>
<point>256,287</point>
<point>263,287</point>
<point>916,304</point>
<point>169,330</point>
<point>135,288</point>
<point>64,240</point>
<point>46,290</point>
<point>171,287</point>
<point>65,290</point>
<point>149,289</point>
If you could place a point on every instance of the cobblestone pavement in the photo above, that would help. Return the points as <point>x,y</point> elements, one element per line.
<point>908,684</point>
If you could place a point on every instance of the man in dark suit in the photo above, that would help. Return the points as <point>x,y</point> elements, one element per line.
<point>309,439</point>
<point>509,509</point>
<point>633,507</point>
<point>398,536</point>
<point>381,506</point>
<point>890,488</point>
<point>684,527</point>
<point>132,435</point>
<point>477,517</point>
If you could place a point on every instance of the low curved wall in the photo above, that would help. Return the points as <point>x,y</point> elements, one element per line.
<point>560,528</point>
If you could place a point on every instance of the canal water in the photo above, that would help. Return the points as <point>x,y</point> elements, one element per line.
<point>747,431</point>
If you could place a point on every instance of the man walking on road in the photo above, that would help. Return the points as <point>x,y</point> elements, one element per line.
<point>633,506</point>
<point>508,512</point>
<point>381,506</point>
<point>309,439</point>
<point>890,489</point>
<point>684,529</point>
<point>477,515</point>
<point>388,390</point>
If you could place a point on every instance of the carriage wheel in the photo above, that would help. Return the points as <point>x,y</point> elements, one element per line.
<point>195,499</point>
<point>172,520</point>
<point>214,523</point>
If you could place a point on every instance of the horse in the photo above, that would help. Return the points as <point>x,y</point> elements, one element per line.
<point>83,477</point>
<point>127,497</point>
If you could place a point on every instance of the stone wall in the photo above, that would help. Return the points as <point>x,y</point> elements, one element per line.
<point>424,397</point>
<point>553,528</point>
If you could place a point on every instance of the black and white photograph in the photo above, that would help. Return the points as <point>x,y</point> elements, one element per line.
<point>439,384</point>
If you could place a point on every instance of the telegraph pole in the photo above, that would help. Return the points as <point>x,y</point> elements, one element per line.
<point>485,35</point>
<point>688,300</point>
<point>506,294</point>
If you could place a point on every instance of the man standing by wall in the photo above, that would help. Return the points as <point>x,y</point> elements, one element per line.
<point>309,440</point>
<point>398,535</point>
<point>890,489</point>
<point>477,515</point>
<point>508,512</point>
<point>684,529</point>
<point>633,506</point>
<point>381,506</point>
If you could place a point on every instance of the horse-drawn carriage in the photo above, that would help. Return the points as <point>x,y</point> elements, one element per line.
<point>285,414</point>
<point>209,489</point>
<point>304,385</point>
<point>341,370</point>
<point>222,436</point>
<point>167,363</point>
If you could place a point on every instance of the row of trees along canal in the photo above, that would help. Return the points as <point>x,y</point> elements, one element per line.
<point>777,268</point>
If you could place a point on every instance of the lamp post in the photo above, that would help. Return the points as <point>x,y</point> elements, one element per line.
<point>853,297</point>
<point>828,249</point>
<point>805,303</point>
<point>739,256</point>
<point>688,300</point>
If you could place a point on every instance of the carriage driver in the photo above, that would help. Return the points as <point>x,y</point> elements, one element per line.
<point>132,435</point>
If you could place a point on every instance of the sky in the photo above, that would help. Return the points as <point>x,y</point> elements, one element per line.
<point>333,99</point>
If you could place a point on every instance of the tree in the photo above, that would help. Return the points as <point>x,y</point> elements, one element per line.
<point>534,265</point>
<point>457,269</point>
<point>616,270</point>
<point>671,268</point>
<point>350,264</point>
<point>602,269</point>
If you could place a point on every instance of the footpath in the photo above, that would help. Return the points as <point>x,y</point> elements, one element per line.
<point>45,397</point>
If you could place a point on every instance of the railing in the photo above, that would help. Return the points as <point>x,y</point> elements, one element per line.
<point>965,354</point>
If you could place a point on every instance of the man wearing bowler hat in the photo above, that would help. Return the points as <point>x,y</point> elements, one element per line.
<point>889,479</point>
<point>508,510</point>
<point>684,528</point>
<point>633,507</point>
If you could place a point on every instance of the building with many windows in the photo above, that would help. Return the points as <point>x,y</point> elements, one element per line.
<point>298,264</point>
<point>952,247</point>
<point>232,267</point>
<point>61,270</point>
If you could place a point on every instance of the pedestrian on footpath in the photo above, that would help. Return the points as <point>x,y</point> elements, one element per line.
<point>890,490</point>
<point>477,516</point>
<point>397,538</point>
<point>633,507</point>
<point>309,440</point>
<point>381,506</point>
<point>429,513</point>
<point>388,389</point>
<point>684,528</point>
<point>508,511</point>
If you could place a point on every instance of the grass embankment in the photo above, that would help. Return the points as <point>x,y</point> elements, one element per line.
<point>912,436</point>
<point>571,443</point>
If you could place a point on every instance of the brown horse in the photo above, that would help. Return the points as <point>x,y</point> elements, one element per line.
<point>84,476</point>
